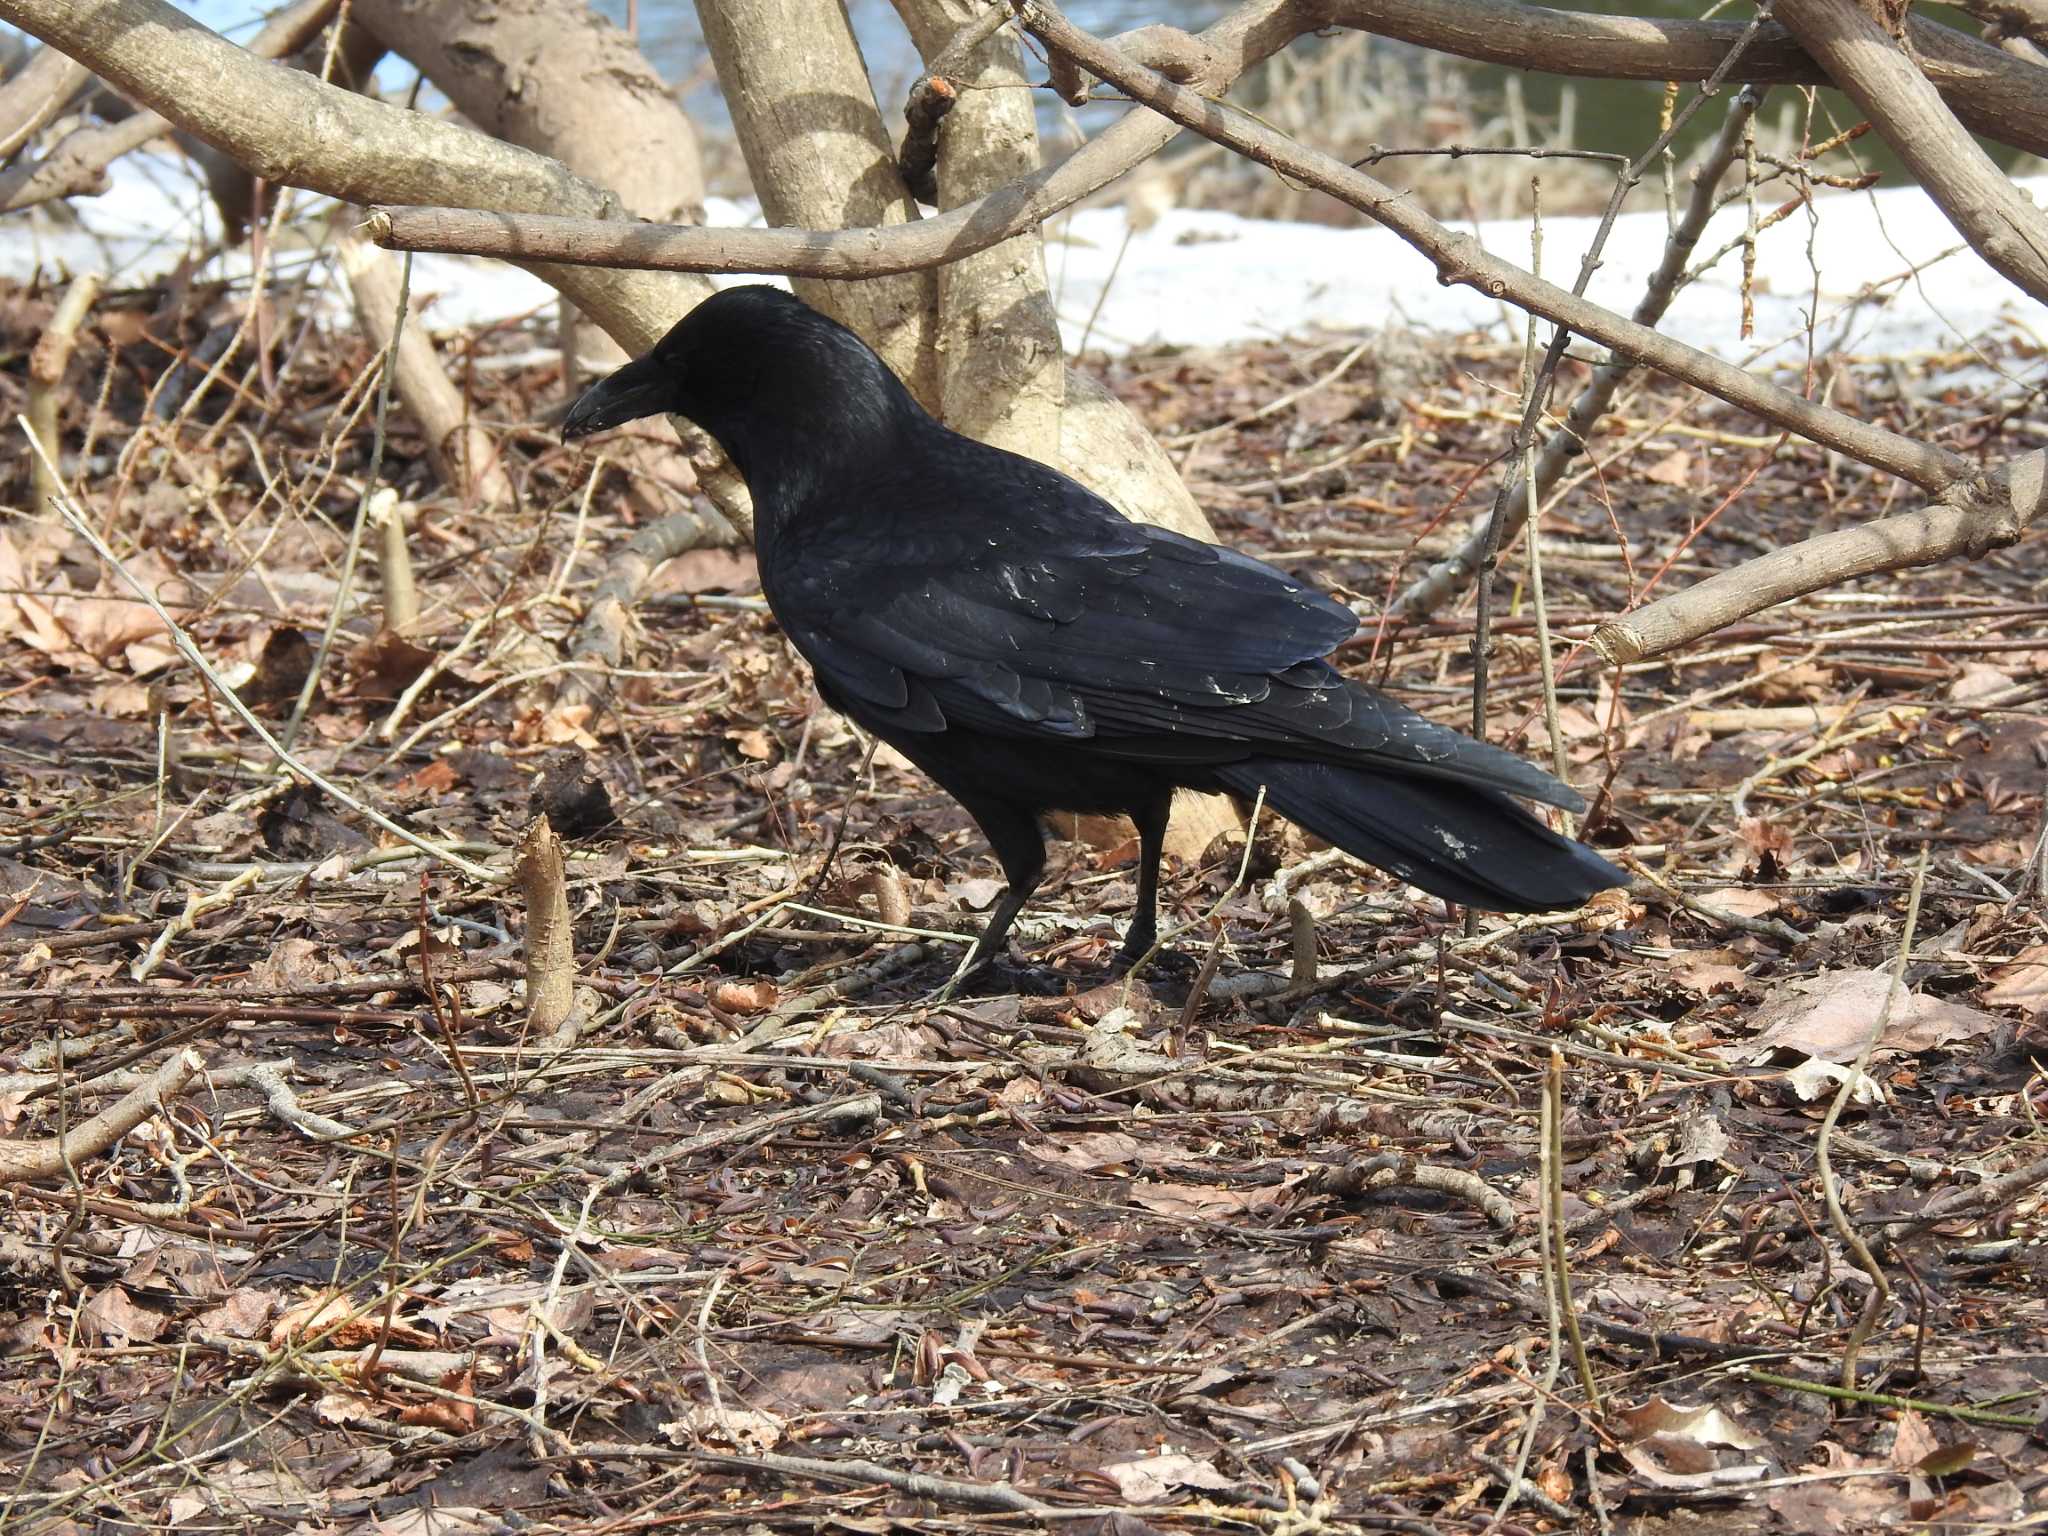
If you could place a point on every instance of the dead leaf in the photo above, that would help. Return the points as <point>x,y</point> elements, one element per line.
<point>1741,901</point>
<point>384,665</point>
<point>1678,1445</point>
<point>975,892</point>
<point>337,1407</point>
<point>1088,1152</point>
<point>744,1429</point>
<point>1707,971</point>
<point>1675,468</point>
<point>1829,1016</point>
<point>1816,1079</point>
<point>707,570</point>
<point>1200,1202</point>
<point>756,996</point>
<point>1978,681</point>
<point>2022,984</point>
<point>111,1317</point>
<point>240,1315</point>
<point>1702,1422</point>
<point>1152,1479</point>
<point>754,743</point>
<point>1701,1139</point>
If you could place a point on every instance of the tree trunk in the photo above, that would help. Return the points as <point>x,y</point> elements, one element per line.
<point>555,76</point>
<point>1002,369</point>
<point>805,114</point>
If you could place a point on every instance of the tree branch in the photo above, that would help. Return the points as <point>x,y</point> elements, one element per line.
<point>1977,520</point>
<point>1999,96</point>
<point>49,1158</point>
<point>78,166</point>
<point>1450,576</point>
<point>290,128</point>
<point>1461,259</point>
<point>2000,221</point>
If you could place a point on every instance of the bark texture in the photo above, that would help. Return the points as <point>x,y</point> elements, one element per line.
<point>555,76</point>
<point>805,114</point>
<point>1002,369</point>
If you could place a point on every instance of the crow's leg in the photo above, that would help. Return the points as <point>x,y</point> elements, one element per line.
<point>1019,844</point>
<point>1144,929</point>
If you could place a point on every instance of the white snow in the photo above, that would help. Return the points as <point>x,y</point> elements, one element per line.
<point>1892,275</point>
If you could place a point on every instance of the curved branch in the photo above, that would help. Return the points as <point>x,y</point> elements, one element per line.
<point>48,1159</point>
<point>1461,259</point>
<point>1980,519</point>
<point>2001,97</point>
<point>2000,221</point>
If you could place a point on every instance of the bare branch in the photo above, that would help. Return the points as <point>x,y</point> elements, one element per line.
<point>48,1159</point>
<point>1449,577</point>
<point>1976,520</point>
<point>2000,221</point>
<point>462,452</point>
<point>292,129</point>
<point>79,164</point>
<point>32,99</point>
<point>1461,259</point>
<point>1999,96</point>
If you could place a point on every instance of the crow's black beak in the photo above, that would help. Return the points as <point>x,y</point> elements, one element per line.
<point>636,390</point>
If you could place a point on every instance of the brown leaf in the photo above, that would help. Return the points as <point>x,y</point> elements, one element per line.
<point>1675,468</point>
<point>1152,1479</point>
<point>386,664</point>
<point>707,570</point>
<point>111,1318</point>
<point>756,996</point>
<point>2022,984</point>
<point>1200,1202</point>
<point>1088,1152</point>
<point>241,1314</point>
<point>1829,1016</point>
<point>753,743</point>
<point>437,778</point>
<point>1707,971</point>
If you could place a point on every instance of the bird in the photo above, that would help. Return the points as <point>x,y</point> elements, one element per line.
<point>1034,650</point>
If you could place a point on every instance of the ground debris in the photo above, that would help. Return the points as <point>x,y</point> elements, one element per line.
<point>785,1242</point>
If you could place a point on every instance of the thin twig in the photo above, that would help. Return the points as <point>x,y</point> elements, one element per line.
<point>1851,1239</point>
<point>189,649</point>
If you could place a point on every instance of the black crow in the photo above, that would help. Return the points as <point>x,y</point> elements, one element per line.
<point>1032,649</point>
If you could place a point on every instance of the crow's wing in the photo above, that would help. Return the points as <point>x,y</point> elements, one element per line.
<point>1060,619</point>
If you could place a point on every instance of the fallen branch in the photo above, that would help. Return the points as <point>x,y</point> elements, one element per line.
<point>462,453</point>
<point>599,641</point>
<point>49,1158</point>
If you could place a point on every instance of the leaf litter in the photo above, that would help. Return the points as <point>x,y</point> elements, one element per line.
<point>780,1241</point>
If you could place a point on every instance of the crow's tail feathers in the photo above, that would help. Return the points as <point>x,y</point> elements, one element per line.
<point>1469,845</point>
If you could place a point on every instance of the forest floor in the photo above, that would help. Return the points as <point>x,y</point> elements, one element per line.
<point>779,1241</point>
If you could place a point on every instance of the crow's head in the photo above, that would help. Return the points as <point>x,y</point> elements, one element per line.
<point>753,366</point>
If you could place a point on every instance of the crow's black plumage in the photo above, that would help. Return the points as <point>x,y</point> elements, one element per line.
<point>1034,650</point>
